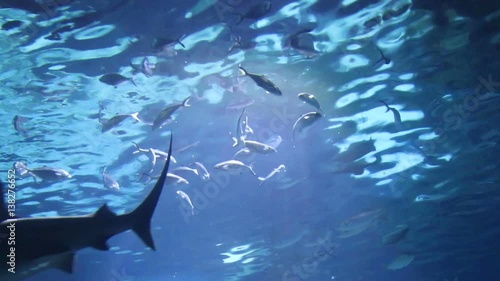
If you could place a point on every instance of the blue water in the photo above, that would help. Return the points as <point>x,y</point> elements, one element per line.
<point>352,177</point>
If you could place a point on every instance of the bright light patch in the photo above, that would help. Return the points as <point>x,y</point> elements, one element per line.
<point>383,182</point>
<point>208,34</point>
<point>407,76</point>
<point>94,32</point>
<point>347,99</point>
<point>57,67</point>
<point>349,62</point>
<point>353,47</point>
<point>372,91</point>
<point>405,88</point>
<point>361,81</point>
<point>404,161</point>
<point>202,5</point>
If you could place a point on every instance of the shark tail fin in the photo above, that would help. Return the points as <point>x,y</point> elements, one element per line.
<point>144,212</point>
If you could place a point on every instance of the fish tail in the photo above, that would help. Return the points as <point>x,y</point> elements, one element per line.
<point>250,167</point>
<point>143,213</point>
<point>386,105</point>
<point>136,116</point>
<point>236,142</point>
<point>179,41</point>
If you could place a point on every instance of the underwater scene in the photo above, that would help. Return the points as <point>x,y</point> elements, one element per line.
<point>232,140</point>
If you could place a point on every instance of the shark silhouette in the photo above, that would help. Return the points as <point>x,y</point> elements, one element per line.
<point>43,243</point>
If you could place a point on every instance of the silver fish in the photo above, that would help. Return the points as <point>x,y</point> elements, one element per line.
<point>204,175</point>
<point>171,178</point>
<point>175,179</point>
<point>239,130</point>
<point>243,151</point>
<point>277,170</point>
<point>262,82</point>
<point>234,166</point>
<point>305,121</point>
<point>167,112</point>
<point>45,173</point>
<point>258,147</point>
<point>109,181</point>
<point>186,198</point>
<point>115,120</point>
<point>310,99</point>
<point>183,168</point>
<point>155,153</point>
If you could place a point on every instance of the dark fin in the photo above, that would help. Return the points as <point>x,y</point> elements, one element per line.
<point>142,214</point>
<point>104,213</point>
<point>4,214</point>
<point>65,262</point>
<point>179,41</point>
<point>386,105</point>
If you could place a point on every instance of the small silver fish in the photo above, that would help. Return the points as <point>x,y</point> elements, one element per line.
<point>277,170</point>
<point>175,179</point>
<point>258,147</point>
<point>305,121</point>
<point>186,198</point>
<point>234,166</point>
<point>167,112</point>
<point>204,175</point>
<point>262,82</point>
<point>243,151</point>
<point>184,168</point>
<point>155,153</point>
<point>109,181</point>
<point>310,99</point>
<point>239,131</point>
